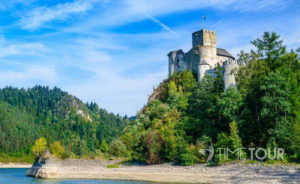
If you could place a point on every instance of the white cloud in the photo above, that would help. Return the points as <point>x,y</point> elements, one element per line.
<point>117,79</point>
<point>21,49</point>
<point>260,5</point>
<point>6,4</point>
<point>116,93</point>
<point>137,10</point>
<point>41,15</point>
<point>103,41</point>
<point>29,75</point>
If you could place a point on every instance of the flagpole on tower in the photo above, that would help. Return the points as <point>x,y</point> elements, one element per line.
<point>204,22</point>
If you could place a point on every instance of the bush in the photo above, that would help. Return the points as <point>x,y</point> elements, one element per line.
<point>234,135</point>
<point>58,150</point>
<point>153,143</point>
<point>39,147</point>
<point>187,155</point>
<point>230,141</point>
<point>187,158</point>
<point>103,146</point>
<point>117,148</point>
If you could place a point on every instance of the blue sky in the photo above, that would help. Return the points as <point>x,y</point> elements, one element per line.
<point>114,52</point>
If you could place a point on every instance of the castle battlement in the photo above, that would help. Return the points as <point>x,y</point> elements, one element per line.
<point>203,57</point>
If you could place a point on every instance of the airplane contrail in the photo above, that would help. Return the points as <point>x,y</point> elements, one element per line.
<point>161,24</point>
<point>155,20</point>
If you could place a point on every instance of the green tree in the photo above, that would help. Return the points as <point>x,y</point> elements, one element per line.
<point>270,48</point>
<point>104,146</point>
<point>276,108</point>
<point>118,148</point>
<point>57,150</point>
<point>203,116</point>
<point>153,142</point>
<point>231,141</point>
<point>245,58</point>
<point>184,79</point>
<point>39,147</point>
<point>176,97</point>
<point>229,106</point>
<point>234,136</point>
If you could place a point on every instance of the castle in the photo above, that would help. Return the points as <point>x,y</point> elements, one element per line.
<point>203,58</point>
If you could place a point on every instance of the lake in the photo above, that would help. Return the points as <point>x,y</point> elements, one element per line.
<point>17,176</point>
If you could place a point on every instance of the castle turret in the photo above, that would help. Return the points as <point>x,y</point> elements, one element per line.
<point>204,42</point>
<point>205,38</point>
<point>229,78</point>
<point>202,69</point>
<point>176,63</point>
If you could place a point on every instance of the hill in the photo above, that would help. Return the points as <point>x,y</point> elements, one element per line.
<point>28,114</point>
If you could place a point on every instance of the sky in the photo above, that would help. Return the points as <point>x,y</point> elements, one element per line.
<point>114,52</point>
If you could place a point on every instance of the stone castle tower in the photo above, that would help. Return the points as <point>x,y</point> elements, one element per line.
<point>203,58</point>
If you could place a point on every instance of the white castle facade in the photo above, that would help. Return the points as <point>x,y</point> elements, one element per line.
<point>203,58</point>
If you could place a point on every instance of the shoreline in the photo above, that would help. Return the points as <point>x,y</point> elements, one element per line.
<point>14,165</point>
<point>201,173</point>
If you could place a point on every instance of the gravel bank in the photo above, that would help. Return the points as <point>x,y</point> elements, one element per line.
<point>15,165</point>
<point>232,173</point>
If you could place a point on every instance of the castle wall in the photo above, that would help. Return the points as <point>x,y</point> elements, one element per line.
<point>176,62</point>
<point>202,70</point>
<point>192,59</point>
<point>229,78</point>
<point>204,38</point>
<point>202,58</point>
<point>209,38</point>
<point>172,63</point>
<point>171,66</point>
<point>208,54</point>
<point>181,63</point>
<point>222,59</point>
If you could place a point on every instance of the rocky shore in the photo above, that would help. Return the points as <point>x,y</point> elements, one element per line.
<point>231,173</point>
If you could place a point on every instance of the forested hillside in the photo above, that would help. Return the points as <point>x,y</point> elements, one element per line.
<point>184,116</point>
<point>29,114</point>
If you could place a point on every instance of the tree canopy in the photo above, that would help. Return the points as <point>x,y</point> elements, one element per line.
<point>69,126</point>
<point>184,116</point>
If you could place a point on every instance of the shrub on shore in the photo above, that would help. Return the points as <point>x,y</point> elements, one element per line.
<point>118,149</point>
<point>39,147</point>
<point>103,146</point>
<point>58,150</point>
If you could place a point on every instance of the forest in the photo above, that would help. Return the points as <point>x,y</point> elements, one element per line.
<point>184,117</point>
<point>62,120</point>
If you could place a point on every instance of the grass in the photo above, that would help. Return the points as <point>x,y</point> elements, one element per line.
<point>112,166</point>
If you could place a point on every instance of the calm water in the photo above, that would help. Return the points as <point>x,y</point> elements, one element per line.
<point>17,176</point>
